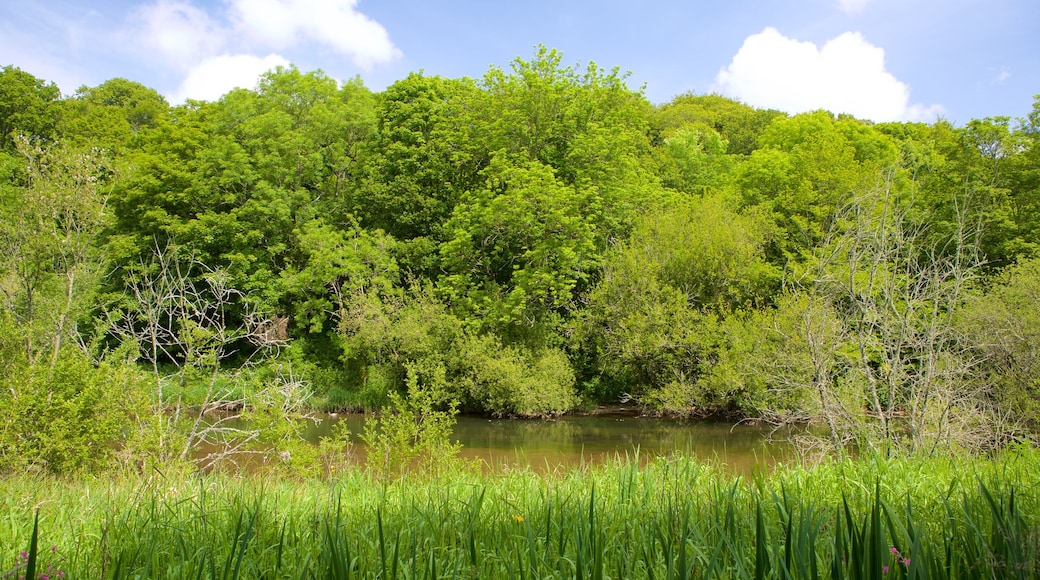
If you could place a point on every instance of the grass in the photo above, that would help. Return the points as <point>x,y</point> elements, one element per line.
<point>674,518</point>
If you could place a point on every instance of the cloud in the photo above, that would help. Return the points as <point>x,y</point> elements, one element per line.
<point>217,51</point>
<point>215,76</point>
<point>853,6</point>
<point>846,75</point>
<point>333,23</point>
<point>179,32</point>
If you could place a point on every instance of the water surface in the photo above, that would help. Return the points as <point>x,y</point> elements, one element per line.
<point>548,445</point>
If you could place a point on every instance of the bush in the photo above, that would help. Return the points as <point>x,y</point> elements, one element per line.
<point>1004,324</point>
<point>413,432</point>
<point>506,380</point>
<point>768,363</point>
<point>67,417</point>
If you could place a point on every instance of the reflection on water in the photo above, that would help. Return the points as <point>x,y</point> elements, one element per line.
<point>547,445</point>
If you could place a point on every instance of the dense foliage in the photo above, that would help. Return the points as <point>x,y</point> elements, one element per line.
<point>529,243</point>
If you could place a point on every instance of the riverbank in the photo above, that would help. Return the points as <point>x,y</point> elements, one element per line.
<point>934,517</point>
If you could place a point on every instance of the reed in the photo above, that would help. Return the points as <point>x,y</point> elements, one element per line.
<point>673,518</point>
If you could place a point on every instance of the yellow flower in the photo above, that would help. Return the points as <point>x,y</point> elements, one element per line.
<point>518,518</point>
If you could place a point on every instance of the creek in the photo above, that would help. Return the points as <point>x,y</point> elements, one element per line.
<point>571,441</point>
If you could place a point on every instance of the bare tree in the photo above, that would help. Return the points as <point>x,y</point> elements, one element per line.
<point>179,312</point>
<point>901,351</point>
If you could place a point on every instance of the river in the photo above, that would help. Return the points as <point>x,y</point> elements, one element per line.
<point>548,445</point>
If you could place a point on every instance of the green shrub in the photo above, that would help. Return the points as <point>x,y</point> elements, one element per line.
<point>413,432</point>
<point>506,380</point>
<point>69,417</point>
<point>1004,325</point>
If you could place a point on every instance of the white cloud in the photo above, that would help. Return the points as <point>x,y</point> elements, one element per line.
<point>333,23</point>
<point>179,32</point>
<point>218,51</point>
<point>846,75</point>
<point>215,76</point>
<point>853,6</point>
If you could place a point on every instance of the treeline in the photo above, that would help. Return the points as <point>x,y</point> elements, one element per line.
<point>526,244</point>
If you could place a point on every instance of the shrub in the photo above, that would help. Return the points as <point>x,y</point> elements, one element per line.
<point>1004,325</point>
<point>506,380</point>
<point>413,432</point>
<point>67,417</point>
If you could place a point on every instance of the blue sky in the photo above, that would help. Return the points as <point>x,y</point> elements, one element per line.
<point>877,59</point>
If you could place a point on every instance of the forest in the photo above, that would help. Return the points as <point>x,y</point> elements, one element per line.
<point>538,241</point>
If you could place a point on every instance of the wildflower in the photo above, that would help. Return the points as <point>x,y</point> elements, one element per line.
<point>906,561</point>
<point>895,551</point>
<point>884,569</point>
<point>519,518</point>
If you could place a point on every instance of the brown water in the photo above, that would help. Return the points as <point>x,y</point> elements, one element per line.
<point>548,445</point>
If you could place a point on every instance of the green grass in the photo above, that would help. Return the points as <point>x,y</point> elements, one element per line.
<point>674,518</point>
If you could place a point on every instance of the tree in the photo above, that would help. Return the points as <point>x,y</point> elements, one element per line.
<point>977,162</point>
<point>807,167</point>
<point>234,180</point>
<point>112,114</point>
<point>1003,324</point>
<point>343,271</point>
<point>49,226</point>
<point>902,355</point>
<point>652,321</point>
<point>738,124</point>
<point>587,126</point>
<point>694,160</point>
<point>519,249</point>
<point>28,106</point>
<point>185,327</point>
<point>424,158</point>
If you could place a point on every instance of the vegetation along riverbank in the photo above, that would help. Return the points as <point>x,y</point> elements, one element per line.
<point>183,287</point>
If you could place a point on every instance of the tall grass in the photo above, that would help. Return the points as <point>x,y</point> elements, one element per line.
<point>674,518</point>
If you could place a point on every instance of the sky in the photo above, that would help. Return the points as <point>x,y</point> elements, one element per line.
<point>883,60</point>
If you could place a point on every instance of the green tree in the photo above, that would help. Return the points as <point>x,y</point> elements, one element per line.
<point>980,162</point>
<point>808,166</point>
<point>111,114</point>
<point>423,159</point>
<point>903,371</point>
<point>1004,325</point>
<point>519,250</point>
<point>587,126</point>
<point>28,106</point>
<point>652,321</point>
<point>1025,184</point>
<point>694,160</point>
<point>738,124</point>
<point>49,226</point>
<point>68,415</point>
<point>342,270</point>
<point>234,180</point>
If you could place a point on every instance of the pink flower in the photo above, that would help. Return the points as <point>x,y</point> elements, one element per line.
<point>894,550</point>
<point>906,561</point>
<point>884,569</point>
